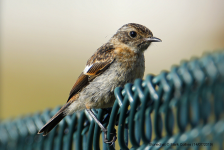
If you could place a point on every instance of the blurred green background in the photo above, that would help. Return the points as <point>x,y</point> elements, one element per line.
<point>45,43</point>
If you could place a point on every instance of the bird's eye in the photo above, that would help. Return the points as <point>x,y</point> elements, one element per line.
<point>133,34</point>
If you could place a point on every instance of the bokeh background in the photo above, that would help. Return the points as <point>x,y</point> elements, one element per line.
<point>46,43</point>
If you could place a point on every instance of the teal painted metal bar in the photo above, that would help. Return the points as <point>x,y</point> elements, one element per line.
<point>185,105</point>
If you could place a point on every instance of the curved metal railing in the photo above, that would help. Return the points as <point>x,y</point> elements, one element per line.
<point>179,109</point>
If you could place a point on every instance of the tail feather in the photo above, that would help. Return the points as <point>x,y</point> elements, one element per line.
<point>54,120</point>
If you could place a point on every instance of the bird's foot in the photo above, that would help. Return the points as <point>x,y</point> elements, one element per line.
<point>107,141</point>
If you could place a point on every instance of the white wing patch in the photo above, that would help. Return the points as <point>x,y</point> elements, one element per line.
<point>87,69</point>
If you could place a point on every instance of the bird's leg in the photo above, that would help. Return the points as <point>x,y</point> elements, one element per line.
<point>102,127</point>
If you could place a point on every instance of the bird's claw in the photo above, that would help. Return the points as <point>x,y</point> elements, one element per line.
<point>107,141</point>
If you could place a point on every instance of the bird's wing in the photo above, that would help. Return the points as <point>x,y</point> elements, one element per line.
<point>97,64</point>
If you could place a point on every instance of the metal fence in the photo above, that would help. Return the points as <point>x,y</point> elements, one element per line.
<point>180,109</point>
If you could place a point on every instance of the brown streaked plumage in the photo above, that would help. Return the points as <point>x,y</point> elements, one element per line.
<point>81,82</point>
<point>117,62</point>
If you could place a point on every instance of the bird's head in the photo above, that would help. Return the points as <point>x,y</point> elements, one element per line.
<point>135,36</point>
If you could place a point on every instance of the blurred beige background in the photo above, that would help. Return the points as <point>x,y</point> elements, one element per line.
<point>45,43</point>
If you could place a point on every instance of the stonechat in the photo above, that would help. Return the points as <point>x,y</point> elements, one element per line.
<point>119,61</point>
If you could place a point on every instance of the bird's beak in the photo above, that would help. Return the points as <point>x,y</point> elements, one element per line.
<point>153,39</point>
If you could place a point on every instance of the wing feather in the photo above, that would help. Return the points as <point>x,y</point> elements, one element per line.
<point>98,67</point>
<point>81,82</point>
<point>97,64</point>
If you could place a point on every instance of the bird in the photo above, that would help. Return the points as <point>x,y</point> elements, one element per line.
<point>117,62</point>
